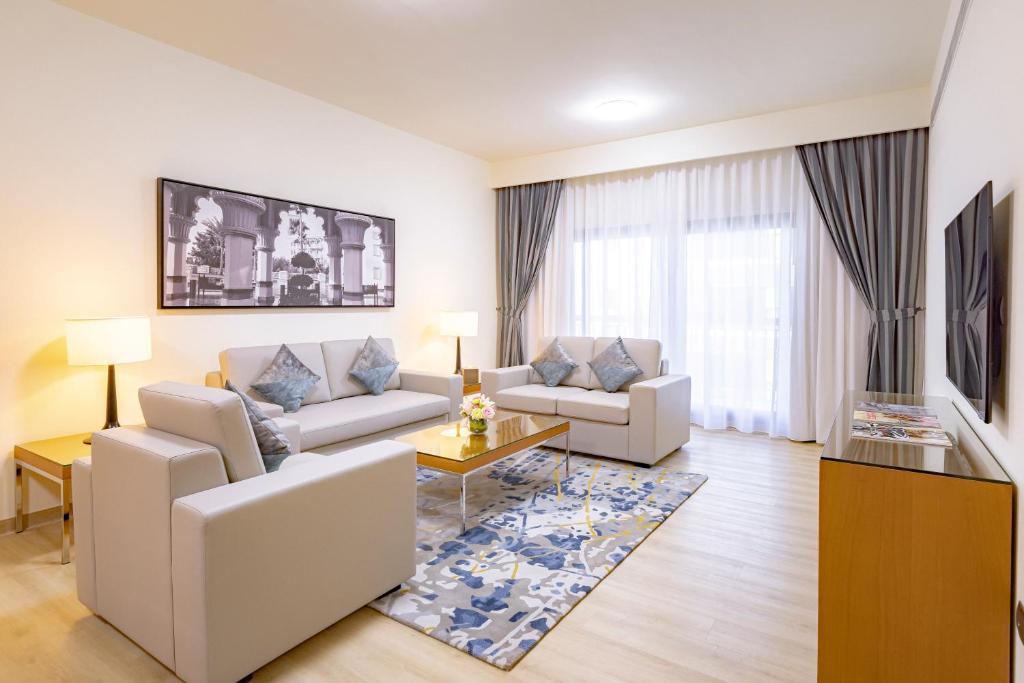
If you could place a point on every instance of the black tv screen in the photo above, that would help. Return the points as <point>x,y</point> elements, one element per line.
<point>970,297</point>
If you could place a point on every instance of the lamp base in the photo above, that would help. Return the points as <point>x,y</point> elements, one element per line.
<point>111,422</point>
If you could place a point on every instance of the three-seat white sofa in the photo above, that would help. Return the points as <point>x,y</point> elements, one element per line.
<point>644,421</point>
<point>339,412</point>
<point>215,567</point>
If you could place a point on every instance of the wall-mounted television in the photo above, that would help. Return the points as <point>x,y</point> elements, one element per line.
<point>972,304</point>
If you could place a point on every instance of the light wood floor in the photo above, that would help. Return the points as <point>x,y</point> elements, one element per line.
<point>724,590</point>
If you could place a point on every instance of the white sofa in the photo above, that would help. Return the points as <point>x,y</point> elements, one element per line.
<point>642,422</point>
<point>339,413</point>
<point>187,546</point>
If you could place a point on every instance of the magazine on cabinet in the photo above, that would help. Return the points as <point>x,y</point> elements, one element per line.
<point>894,422</point>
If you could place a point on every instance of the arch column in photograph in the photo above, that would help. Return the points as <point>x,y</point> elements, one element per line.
<point>387,247</point>
<point>181,206</point>
<point>239,227</point>
<point>353,229</point>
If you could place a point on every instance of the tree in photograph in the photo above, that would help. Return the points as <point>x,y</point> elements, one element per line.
<point>207,249</point>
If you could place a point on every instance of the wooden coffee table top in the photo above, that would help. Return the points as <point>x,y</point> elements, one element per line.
<point>453,448</point>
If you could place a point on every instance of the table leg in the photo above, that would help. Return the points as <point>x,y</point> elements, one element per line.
<point>20,483</point>
<point>462,501</point>
<point>567,454</point>
<point>65,531</point>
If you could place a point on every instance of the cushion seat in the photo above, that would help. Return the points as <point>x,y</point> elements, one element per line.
<point>534,398</point>
<point>597,405</point>
<point>356,416</point>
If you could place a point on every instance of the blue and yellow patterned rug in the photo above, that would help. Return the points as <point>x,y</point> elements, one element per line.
<point>536,543</point>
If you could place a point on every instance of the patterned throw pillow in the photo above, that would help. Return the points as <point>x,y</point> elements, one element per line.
<point>614,367</point>
<point>273,444</point>
<point>286,381</point>
<point>373,367</point>
<point>554,364</point>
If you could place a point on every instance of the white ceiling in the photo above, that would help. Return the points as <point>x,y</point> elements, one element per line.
<point>508,78</point>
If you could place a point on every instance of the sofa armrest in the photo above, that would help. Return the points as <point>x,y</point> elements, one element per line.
<point>85,555</point>
<point>292,432</point>
<point>136,474</point>
<point>215,379</point>
<point>659,417</point>
<point>663,367</point>
<point>262,564</point>
<point>493,381</point>
<point>434,383</point>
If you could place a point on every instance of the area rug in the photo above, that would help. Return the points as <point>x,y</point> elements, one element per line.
<point>536,543</point>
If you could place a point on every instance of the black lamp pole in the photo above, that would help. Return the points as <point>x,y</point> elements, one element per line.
<point>111,403</point>
<point>458,355</point>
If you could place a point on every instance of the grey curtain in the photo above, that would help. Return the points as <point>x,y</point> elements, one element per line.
<point>526,219</point>
<point>871,194</point>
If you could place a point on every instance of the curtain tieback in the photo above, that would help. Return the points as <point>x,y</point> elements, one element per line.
<point>966,316</point>
<point>889,315</point>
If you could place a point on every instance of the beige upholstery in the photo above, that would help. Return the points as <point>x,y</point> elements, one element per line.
<point>344,419</point>
<point>340,355</point>
<point>645,352</point>
<point>580,349</point>
<point>437,383</point>
<point>211,416</point>
<point>242,365</point>
<point>292,431</point>
<point>215,579</point>
<point>645,421</point>
<point>599,406</point>
<point>534,398</point>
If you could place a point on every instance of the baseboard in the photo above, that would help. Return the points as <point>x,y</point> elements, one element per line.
<point>32,519</point>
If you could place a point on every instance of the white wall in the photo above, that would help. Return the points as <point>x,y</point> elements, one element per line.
<point>978,135</point>
<point>92,115</point>
<point>832,121</point>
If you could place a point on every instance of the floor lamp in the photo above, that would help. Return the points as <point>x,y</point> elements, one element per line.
<point>108,341</point>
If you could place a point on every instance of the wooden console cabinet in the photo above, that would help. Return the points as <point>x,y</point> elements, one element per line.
<point>915,556</point>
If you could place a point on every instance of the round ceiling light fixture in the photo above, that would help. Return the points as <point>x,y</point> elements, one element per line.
<point>616,110</point>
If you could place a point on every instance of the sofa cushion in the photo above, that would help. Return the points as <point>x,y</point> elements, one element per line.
<point>339,357</point>
<point>272,442</point>
<point>597,406</point>
<point>355,416</point>
<point>534,398</point>
<point>553,364</point>
<point>645,352</point>
<point>581,350</point>
<point>286,381</point>
<point>373,367</point>
<point>613,367</point>
<point>211,416</point>
<point>243,364</point>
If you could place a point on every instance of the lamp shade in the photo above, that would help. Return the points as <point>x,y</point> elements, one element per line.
<point>107,341</point>
<point>458,324</point>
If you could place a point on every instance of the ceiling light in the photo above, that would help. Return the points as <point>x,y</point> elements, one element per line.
<point>616,110</point>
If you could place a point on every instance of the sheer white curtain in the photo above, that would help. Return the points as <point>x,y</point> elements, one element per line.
<point>727,263</point>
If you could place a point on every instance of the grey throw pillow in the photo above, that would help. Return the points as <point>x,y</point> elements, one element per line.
<point>286,381</point>
<point>273,444</point>
<point>554,364</point>
<point>614,367</point>
<point>373,367</point>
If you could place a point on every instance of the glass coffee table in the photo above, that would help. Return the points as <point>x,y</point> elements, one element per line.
<point>453,449</point>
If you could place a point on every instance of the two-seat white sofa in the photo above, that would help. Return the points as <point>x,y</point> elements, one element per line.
<point>339,412</point>
<point>644,421</point>
<point>215,567</point>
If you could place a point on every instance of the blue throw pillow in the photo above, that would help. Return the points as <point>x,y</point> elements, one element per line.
<point>286,381</point>
<point>554,364</point>
<point>614,367</point>
<point>373,367</point>
<point>273,444</point>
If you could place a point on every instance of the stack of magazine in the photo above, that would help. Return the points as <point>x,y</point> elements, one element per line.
<point>893,422</point>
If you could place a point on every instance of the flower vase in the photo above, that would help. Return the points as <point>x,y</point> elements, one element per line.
<point>477,426</point>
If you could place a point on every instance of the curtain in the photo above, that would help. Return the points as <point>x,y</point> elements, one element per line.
<point>871,194</point>
<point>526,217</point>
<point>726,261</point>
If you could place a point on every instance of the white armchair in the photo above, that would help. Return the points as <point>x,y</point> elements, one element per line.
<point>215,567</point>
<point>642,423</point>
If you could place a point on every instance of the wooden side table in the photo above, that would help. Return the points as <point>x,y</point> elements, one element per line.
<point>51,459</point>
<point>468,389</point>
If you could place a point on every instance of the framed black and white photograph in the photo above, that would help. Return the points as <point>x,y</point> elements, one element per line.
<point>227,249</point>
